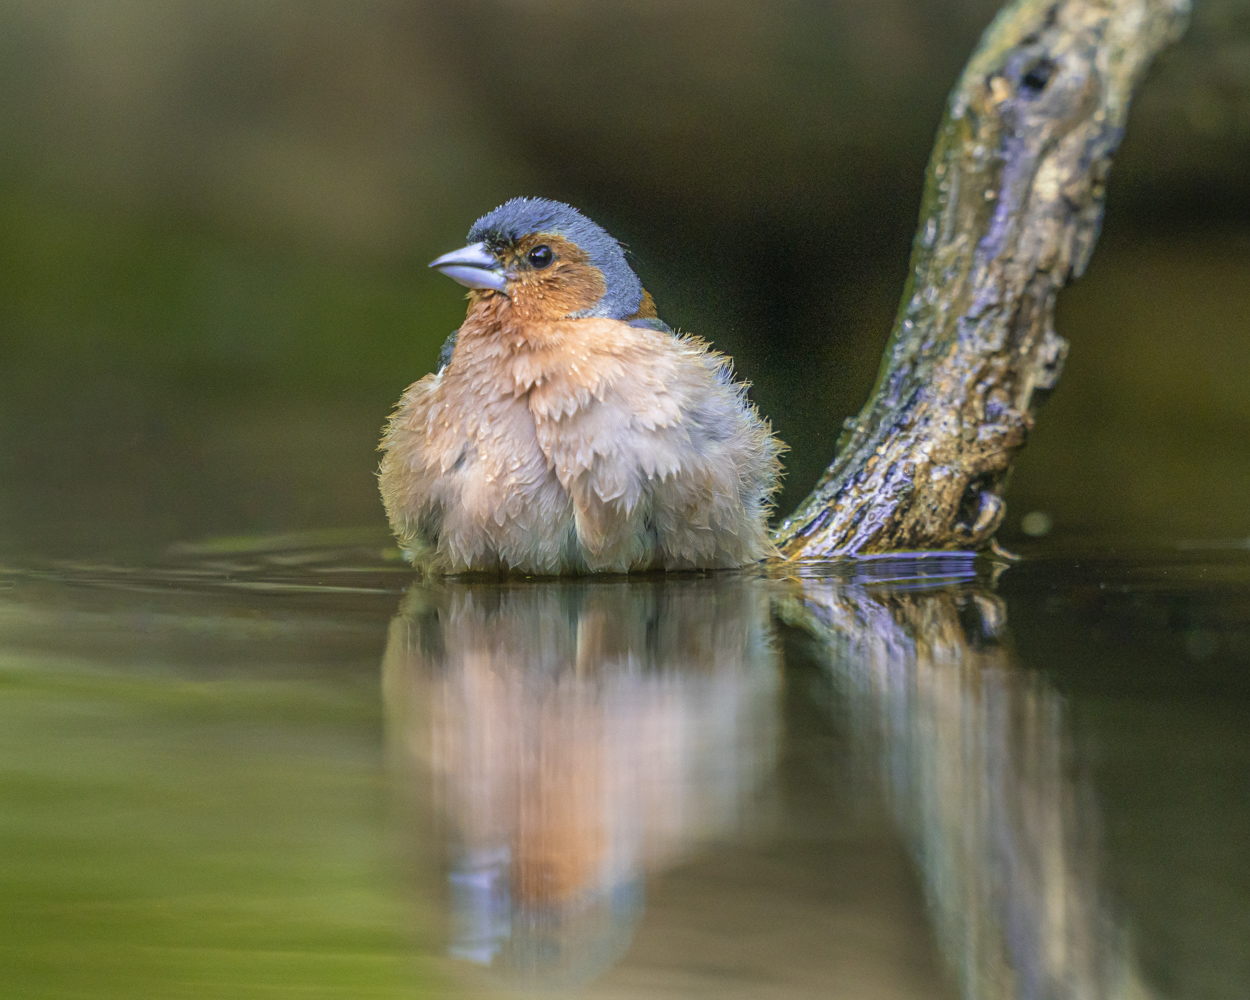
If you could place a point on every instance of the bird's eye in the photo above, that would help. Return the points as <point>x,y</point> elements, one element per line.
<point>540,257</point>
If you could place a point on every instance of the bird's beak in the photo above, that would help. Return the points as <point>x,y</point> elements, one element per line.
<point>473,266</point>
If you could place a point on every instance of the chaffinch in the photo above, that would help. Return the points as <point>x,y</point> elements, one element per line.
<point>568,429</point>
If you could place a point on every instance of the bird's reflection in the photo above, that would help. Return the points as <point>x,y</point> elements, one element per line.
<point>578,735</point>
<point>976,761</point>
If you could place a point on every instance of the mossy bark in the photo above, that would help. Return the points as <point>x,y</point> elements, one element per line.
<point>1011,211</point>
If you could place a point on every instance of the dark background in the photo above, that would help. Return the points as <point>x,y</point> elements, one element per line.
<point>215,217</point>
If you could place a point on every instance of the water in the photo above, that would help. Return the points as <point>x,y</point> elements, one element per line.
<point>283,766</point>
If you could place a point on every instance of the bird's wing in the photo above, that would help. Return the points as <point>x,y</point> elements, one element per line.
<point>649,433</point>
<point>446,351</point>
<point>651,323</point>
<point>409,469</point>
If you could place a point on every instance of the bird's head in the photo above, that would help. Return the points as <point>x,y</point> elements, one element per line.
<point>551,262</point>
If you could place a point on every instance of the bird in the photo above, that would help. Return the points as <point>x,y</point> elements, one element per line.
<point>568,430</point>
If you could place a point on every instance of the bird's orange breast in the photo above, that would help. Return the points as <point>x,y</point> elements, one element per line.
<point>553,445</point>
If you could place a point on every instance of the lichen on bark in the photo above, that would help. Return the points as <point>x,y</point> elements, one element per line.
<point>1011,210</point>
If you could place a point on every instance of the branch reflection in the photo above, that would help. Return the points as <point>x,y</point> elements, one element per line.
<point>976,762</point>
<point>575,737</point>
<point>578,735</point>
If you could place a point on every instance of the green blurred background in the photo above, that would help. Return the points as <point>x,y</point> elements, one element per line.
<point>215,217</point>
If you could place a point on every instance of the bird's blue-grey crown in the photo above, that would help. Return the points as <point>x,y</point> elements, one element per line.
<point>522,216</point>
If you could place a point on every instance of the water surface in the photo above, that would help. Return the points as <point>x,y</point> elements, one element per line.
<point>266,767</point>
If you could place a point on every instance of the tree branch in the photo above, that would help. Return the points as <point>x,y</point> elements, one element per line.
<point>1011,211</point>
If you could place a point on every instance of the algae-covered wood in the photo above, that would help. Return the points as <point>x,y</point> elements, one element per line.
<point>1012,206</point>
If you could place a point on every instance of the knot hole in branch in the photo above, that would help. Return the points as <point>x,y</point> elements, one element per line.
<point>980,512</point>
<point>1035,78</point>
